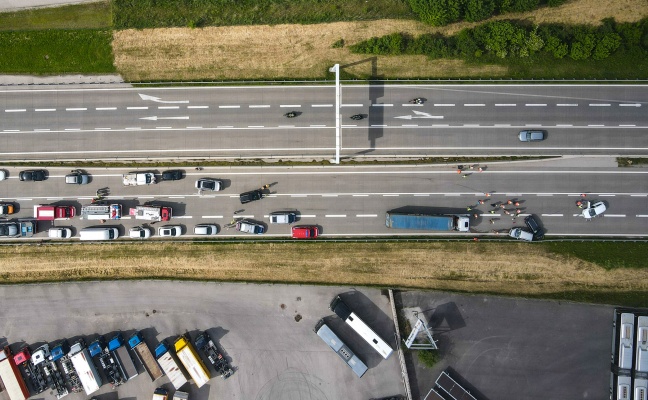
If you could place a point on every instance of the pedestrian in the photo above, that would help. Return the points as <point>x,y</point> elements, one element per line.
<point>517,211</point>
<point>487,194</point>
<point>517,204</point>
<point>458,171</point>
<point>475,216</point>
<point>468,208</point>
<point>583,195</point>
<point>492,221</point>
<point>481,169</point>
<point>492,211</point>
<point>481,201</point>
<point>464,176</point>
<point>509,202</point>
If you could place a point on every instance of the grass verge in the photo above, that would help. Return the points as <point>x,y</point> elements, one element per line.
<point>513,269</point>
<point>56,51</point>
<point>629,162</point>
<point>76,16</point>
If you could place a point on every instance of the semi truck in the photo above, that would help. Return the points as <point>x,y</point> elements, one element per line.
<point>33,374</point>
<point>101,211</point>
<point>207,346</point>
<point>111,366</point>
<point>17,229</point>
<point>118,349</point>
<point>169,365</point>
<point>138,178</point>
<point>151,212</point>
<point>425,222</point>
<point>41,358</point>
<point>51,213</point>
<point>178,395</point>
<point>189,358</point>
<point>60,352</point>
<point>11,378</point>
<point>143,353</point>
<point>82,362</point>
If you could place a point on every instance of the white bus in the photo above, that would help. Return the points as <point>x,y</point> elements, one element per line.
<point>342,310</point>
<point>626,339</point>
<point>341,349</point>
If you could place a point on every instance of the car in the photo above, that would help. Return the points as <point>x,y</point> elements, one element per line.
<point>170,230</point>
<point>521,234</point>
<point>172,175</point>
<point>531,136</point>
<point>3,174</point>
<point>534,227</point>
<point>250,227</point>
<point>205,229</point>
<point>33,175</point>
<point>77,177</point>
<point>252,195</point>
<point>283,217</point>
<point>212,185</point>
<point>594,209</point>
<point>6,208</point>
<point>59,233</point>
<point>139,232</point>
<point>305,232</point>
<point>9,229</point>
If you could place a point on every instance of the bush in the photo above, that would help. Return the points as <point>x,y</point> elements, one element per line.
<point>437,12</point>
<point>606,46</point>
<point>393,44</point>
<point>518,5</point>
<point>477,10</point>
<point>428,358</point>
<point>555,3</point>
<point>555,47</point>
<point>585,41</point>
<point>338,44</point>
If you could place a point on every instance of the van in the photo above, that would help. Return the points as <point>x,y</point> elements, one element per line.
<point>103,233</point>
<point>534,227</point>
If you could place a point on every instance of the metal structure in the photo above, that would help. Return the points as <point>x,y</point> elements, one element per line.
<point>420,326</point>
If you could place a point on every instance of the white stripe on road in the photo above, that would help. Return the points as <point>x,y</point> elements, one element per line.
<point>16,110</point>
<point>194,127</point>
<point>505,105</point>
<point>72,129</point>
<point>607,195</point>
<point>641,215</point>
<point>366,215</point>
<point>256,126</point>
<point>224,126</point>
<point>212,216</point>
<point>106,108</point>
<point>45,109</point>
<point>627,126</point>
<point>639,195</point>
<point>102,129</point>
<point>599,105</point>
<point>535,105</point>
<point>137,108</point>
<point>501,125</point>
<point>381,105</point>
<point>163,127</point>
<point>551,215</point>
<point>308,216</point>
<point>360,195</point>
<point>630,105</point>
<point>135,128</point>
<point>259,106</point>
<point>183,217</point>
<point>321,105</point>
<point>168,107</point>
<point>348,126</point>
<point>378,126</point>
<point>474,105</point>
<point>351,105</point>
<point>317,126</point>
<point>76,109</point>
<point>563,125</point>
<point>444,105</point>
<point>10,130</point>
<point>567,105</point>
<point>176,197</point>
<point>614,215</point>
<point>290,105</point>
<point>544,195</point>
<point>229,106</point>
<point>595,126</point>
<point>421,195</point>
<point>329,195</point>
<point>197,106</point>
<point>390,195</point>
<point>410,125</point>
<point>41,130</point>
<point>297,195</point>
<point>335,216</point>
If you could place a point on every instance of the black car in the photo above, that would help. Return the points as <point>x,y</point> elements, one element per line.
<point>252,195</point>
<point>172,175</point>
<point>33,175</point>
<point>534,226</point>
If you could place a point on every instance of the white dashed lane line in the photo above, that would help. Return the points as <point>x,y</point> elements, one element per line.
<point>76,109</point>
<point>351,105</point>
<point>168,107</point>
<point>45,109</point>
<point>259,106</point>
<point>505,105</point>
<point>552,215</point>
<point>381,105</point>
<point>535,105</point>
<point>599,105</point>
<point>335,216</point>
<point>290,105</point>
<point>567,105</point>
<point>630,105</point>
<point>16,110</point>
<point>137,108</point>
<point>444,105</point>
<point>614,215</point>
<point>474,105</point>
<point>321,105</point>
<point>366,215</point>
<point>197,106</point>
<point>229,106</point>
<point>105,108</point>
<point>212,216</point>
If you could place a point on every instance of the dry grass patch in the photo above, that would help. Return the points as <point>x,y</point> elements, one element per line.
<point>514,268</point>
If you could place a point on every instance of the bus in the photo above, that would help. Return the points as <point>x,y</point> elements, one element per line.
<point>340,308</point>
<point>341,349</point>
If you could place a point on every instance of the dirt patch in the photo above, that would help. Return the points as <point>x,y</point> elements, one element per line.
<point>304,51</point>
<point>509,268</point>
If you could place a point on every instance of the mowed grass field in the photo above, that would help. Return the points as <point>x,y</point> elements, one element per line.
<point>574,271</point>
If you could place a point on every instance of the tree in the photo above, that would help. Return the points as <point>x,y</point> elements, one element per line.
<point>606,46</point>
<point>477,10</point>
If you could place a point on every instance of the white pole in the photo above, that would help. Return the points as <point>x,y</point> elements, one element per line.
<point>338,94</point>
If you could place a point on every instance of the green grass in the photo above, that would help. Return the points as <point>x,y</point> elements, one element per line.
<point>609,255</point>
<point>629,162</point>
<point>56,51</point>
<point>78,16</point>
<point>200,13</point>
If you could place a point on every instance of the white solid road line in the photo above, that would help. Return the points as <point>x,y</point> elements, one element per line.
<point>366,215</point>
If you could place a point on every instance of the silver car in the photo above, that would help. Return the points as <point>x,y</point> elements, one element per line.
<point>531,136</point>
<point>521,234</point>
<point>205,229</point>
<point>594,209</point>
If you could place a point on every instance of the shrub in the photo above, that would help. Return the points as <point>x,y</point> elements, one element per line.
<point>393,44</point>
<point>338,44</point>
<point>555,47</point>
<point>606,46</point>
<point>518,5</point>
<point>433,46</point>
<point>555,3</point>
<point>428,358</point>
<point>437,12</point>
<point>477,10</point>
<point>584,43</point>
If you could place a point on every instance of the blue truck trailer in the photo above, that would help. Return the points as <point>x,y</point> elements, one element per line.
<point>428,222</point>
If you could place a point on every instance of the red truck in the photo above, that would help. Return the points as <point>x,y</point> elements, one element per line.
<point>50,213</point>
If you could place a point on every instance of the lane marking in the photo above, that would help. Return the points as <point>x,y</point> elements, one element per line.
<point>297,195</point>
<point>599,105</point>
<point>168,107</point>
<point>259,106</point>
<point>176,197</point>
<point>628,125</point>
<point>564,125</point>
<point>72,129</point>
<point>360,195</point>
<point>137,108</point>
<point>474,105</point>
<point>443,105</point>
<point>105,108</point>
<point>163,127</point>
<point>544,195</point>
<point>552,215</point>
<point>471,125</point>
<point>382,105</point>
<point>321,105</point>
<point>629,105</point>
<point>504,105</point>
<point>225,126</point>
<point>595,125</point>
<point>256,126</point>
<point>535,105</point>
<point>329,195</point>
<point>10,130</point>
<point>366,215</point>
<point>16,110</point>
<point>411,105</point>
<point>308,216</point>
<point>102,129</point>
<point>348,126</point>
<point>614,215</point>
<point>567,105</point>
<point>182,217</point>
<point>212,216</point>
<point>289,126</point>
<point>351,105</point>
<point>639,195</point>
<point>641,215</point>
<point>42,130</point>
<point>440,125</point>
<point>378,126</point>
<point>45,109</point>
<point>229,106</point>
<point>502,125</point>
<point>410,125</point>
<point>197,106</point>
<point>76,109</point>
<point>317,126</point>
<point>194,127</point>
<point>335,216</point>
<point>134,128</point>
<point>290,106</point>
<point>422,195</point>
<point>607,195</point>
<point>390,195</point>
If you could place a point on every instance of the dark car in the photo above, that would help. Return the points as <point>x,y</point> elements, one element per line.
<point>534,227</point>
<point>33,175</point>
<point>252,195</point>
<point>172,175</point>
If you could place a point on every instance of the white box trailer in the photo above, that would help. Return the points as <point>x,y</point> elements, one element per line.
<point>85,368</point>
<point>13,381</point>
<point>169,365</point>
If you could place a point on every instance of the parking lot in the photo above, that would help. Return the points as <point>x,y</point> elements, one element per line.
<point>265,330</point>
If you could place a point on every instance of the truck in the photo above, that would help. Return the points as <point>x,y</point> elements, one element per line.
<point>51,213</point>
<point>151,212</point>
<point>111,366</point>
<point>34,374</point>
<point>101,211</point>
<point>178,395</point>
<point>41,358</point>
<point>117,347</point>
<point>428,222</point>
<point>11,378</point>
<point>20,228</point>
<point>138,178</point>
<point>143,353</point>
<point>84,367</point>
<point>169,365</point>
<point>60,352</point>
<point>160,394</point>
<point>189,358</point>
<point>207,346</point>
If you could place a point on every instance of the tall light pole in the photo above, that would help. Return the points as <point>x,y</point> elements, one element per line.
<point>338,95</point>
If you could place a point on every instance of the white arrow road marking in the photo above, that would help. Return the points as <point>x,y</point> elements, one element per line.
<point>157,99</point>
<point>155,118</point>
<point>420,114</point>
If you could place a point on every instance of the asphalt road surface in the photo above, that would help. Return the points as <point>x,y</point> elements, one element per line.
<point>248,122</point>
<point>352,201</point>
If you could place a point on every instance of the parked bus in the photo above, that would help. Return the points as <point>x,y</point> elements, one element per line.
<point>341,349</point>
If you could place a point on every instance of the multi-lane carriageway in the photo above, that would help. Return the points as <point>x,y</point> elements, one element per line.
<point>248,122</point>
<point>352,201</point>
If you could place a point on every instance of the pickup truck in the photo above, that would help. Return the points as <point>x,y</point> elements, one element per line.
<point>51,213</point>
<point>138,178</point>
<point>283,217</point>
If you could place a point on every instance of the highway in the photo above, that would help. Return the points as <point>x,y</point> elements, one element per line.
<point>247,122</point>
<point>352,201</point>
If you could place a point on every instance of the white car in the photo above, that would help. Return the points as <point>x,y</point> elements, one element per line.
<point>250,227</point>
<point>170,230</point>
<point>139,232</point>
<point>59,233</point>
<point>594,210</point>
<point>209,185</point>
<point>3,174</point>
<point>521,234</point>
<point>205,229</point>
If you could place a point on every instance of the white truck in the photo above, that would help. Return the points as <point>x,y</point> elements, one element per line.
<point>85,368</point>
<point>101,211</point>
<point>139,178</point>
<point>151,213</point>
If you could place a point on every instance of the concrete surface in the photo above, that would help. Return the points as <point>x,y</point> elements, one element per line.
<point>14,5</point>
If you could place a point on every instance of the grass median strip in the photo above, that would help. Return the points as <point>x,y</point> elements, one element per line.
<point>499,268</point>
<point>75,16</point>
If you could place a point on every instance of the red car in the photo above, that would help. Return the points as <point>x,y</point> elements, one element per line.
<point>305,232</point>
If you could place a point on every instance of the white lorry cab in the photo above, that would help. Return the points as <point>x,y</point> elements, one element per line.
<point>101,233</point>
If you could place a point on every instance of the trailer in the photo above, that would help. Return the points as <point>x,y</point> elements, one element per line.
<point>160,394</point>
<point>207,346</point>
<point>51,213</point>
<point>10,375</point>
<point>70,372</point>
<point>138,178</point>
<point>143,354</point>
<point>111,366</point>
<point>15,229</point>
<point>178,395</point>
<point>117,348</point>
<point>35,377</point>
<point>101,211</point>
<point>84,367</point>
<point>151,212</point>
<point>170,366</point>
<point>431,222</point>
<point>189,358</point>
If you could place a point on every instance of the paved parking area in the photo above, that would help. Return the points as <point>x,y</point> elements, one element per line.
<point>266,331</point>
<point>511,349</point>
